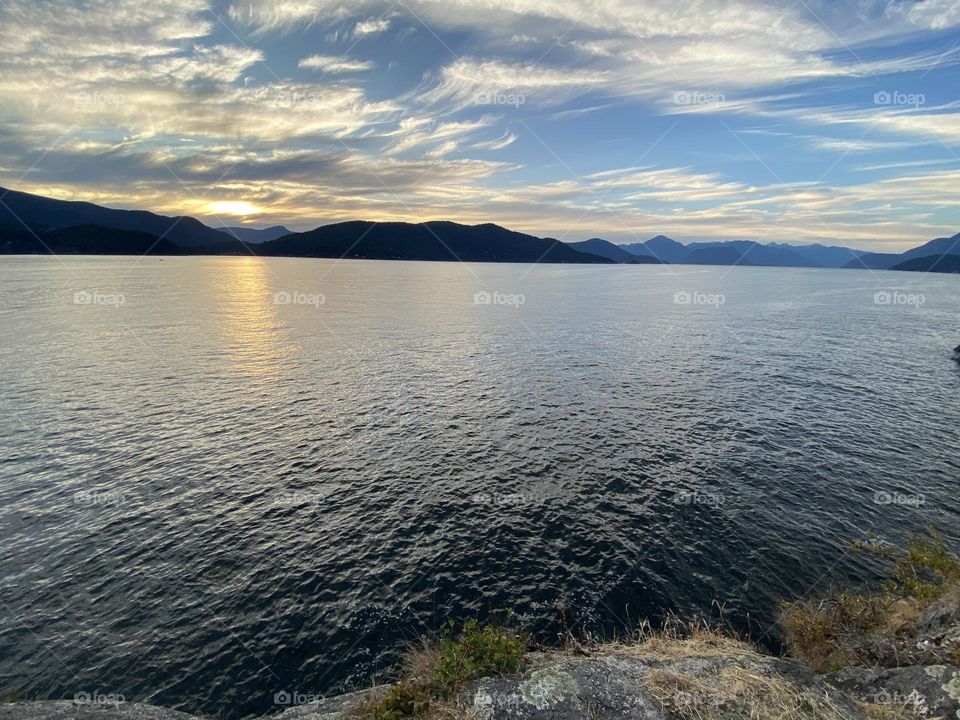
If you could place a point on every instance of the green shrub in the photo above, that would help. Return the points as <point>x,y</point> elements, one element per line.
<point>477,652</point>
<point>437,671</point>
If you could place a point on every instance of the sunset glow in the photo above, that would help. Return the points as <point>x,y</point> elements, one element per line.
<point>233,207</point>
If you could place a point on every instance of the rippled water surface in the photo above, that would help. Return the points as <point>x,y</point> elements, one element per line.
<point>208,497</point>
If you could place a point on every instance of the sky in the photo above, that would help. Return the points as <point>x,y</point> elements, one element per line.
<point>795,121</point>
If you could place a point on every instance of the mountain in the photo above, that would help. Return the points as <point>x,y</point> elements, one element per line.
<point>424,241</point>
<point>874,261</point>
<point>17,208</point>
<point>831,256</point>
<point>82,240</point>
<point>931,263</point>
<point>732,252</point>
<point>748,252</point>
<point>940,246</point>
<point>256,235</point>
<point>716,255</point>
<point>890,261</point>
<point>661,247</point>
<point>603,248</point>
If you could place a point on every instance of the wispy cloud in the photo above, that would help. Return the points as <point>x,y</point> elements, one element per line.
<point>334,65</point>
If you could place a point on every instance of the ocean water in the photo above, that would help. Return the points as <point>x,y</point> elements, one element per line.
<point>228,478</point>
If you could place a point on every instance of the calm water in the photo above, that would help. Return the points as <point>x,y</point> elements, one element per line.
<point>208,497</point>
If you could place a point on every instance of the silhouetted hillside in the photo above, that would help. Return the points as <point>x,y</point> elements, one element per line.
<point>82,240</point>
<point>931,263</point>
<point>424,241</point>
<point>20,208</point>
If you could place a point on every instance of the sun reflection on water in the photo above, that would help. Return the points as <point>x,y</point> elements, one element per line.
<point>255,335</point>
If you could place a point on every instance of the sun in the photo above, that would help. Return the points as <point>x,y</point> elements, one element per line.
<point>233,207</point>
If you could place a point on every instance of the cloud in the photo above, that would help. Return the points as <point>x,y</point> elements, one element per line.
<point>933,14</point>
<point>418,131</point>
<point>334,65</point>
<point>107,28</point>
<point>492,83</point>
<point>370,27</point>
<point>508,138</point>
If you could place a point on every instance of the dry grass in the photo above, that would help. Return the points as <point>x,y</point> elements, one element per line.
<point>846,628</point>
<point>737,693</point>
<point>890,712</point>
<point>829,634</point>
<point>678,639</point>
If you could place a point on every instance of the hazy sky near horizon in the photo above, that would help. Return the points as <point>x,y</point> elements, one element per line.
<point>804,121</point>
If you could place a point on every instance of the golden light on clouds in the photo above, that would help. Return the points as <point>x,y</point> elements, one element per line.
<point>233,207</point>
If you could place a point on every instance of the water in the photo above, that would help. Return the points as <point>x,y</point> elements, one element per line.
<point>208,497</point>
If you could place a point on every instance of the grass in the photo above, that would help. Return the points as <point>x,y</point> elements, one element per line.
<point>677,639</point>
<point>841,630</point>
<point>745,690</point>
<point>737,693</point>
<point>436,671</point>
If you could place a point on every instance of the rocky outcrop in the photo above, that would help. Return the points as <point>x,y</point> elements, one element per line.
<point>710,678</point>
<point>623,683</point>
<point>923,690</point>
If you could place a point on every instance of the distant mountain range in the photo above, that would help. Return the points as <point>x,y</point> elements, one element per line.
<point>31,224</point>
<point>604,248</point>
<point>743,252</point>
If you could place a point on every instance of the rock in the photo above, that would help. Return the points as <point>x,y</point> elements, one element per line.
<point>927,690</point>
<point>70,710</point>
<point>940,614</point>
<point>568,689</point>
<point>332,708</point>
